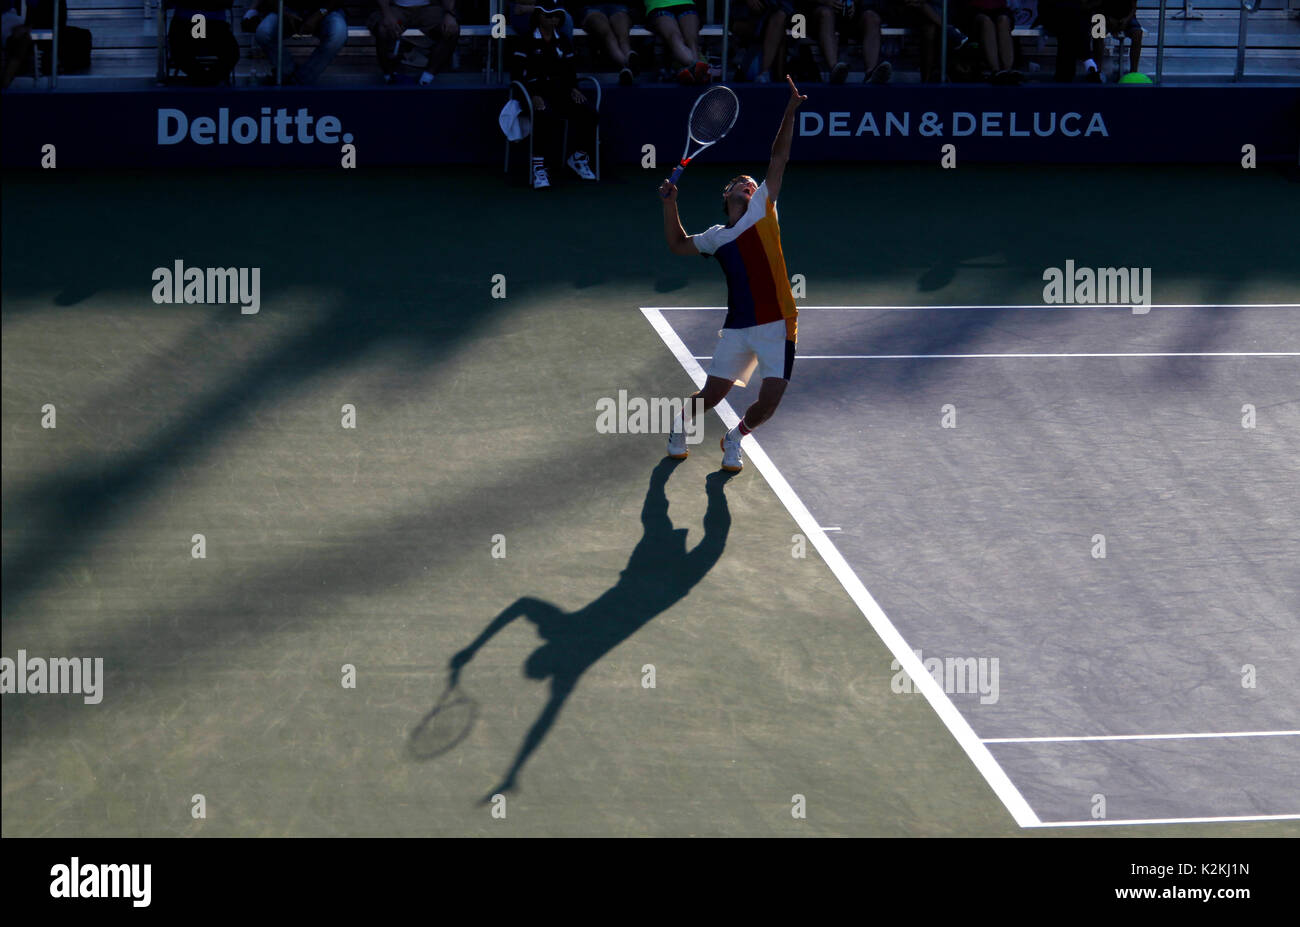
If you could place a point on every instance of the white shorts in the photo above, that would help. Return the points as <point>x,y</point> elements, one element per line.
<point>764,346</point>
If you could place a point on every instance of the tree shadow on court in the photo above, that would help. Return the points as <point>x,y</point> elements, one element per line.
<point>660,573</point>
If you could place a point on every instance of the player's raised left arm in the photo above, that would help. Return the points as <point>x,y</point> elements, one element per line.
<point>781,147</point>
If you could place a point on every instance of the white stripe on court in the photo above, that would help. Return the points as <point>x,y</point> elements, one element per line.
<point>807,357</point>
<point>957,725</point>
<point>1043,306</point>
<point>1211,820</point>
<point>1063,740</point>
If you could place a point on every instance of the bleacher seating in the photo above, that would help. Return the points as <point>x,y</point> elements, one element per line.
<point>1204,49</point>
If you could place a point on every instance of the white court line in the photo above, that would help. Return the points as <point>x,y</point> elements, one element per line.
<point>1042,306</point>
<point>1104,823</point>
<point>807,357</point>
<point>1062,740</point>
<point>983,759</point>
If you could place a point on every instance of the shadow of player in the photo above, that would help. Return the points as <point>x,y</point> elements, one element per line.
<point>660,572</point>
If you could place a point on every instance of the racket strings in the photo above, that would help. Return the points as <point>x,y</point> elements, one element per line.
<point>714,114</point>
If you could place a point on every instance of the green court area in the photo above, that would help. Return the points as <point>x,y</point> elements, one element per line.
<point>474,486</point>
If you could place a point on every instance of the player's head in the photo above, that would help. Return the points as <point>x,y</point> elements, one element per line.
<point>738,190</point>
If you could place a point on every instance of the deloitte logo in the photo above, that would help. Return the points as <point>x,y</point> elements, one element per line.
<point>279,127</point>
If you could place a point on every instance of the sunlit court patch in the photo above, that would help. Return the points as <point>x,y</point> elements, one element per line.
<point>1096,499</point>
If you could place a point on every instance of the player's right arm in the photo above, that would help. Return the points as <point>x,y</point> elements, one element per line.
<point>678,241</point>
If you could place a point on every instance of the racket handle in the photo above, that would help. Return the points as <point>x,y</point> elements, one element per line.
<point>677,172</point>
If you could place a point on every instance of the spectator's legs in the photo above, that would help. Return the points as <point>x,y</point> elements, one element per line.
<point>601,34</point>
<point>385,38</point>
<point>929,49</point>
<point>444,30</point>
<point>621,23</point>
<point>18,51</point>
<point>773,39</point>
<point>823,28</point>
<point>690,23</point>
<point>1006,50</point>
<point>666,28</point>
<point>988,40</point>
<point>582,126</point>
<point>265,38</point>
<point>1134,33</point>
<point>333,34</point>
<point>870,20</point>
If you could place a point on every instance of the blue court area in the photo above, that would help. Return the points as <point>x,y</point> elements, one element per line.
<point>1080,526</point>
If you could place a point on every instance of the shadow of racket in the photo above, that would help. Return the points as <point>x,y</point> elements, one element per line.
<point>446,725</point>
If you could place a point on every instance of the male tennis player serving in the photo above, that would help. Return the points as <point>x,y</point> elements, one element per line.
<point>760,329</point>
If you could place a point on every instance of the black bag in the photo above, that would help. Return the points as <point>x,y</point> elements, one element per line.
<point>207,61</point>
<point>74,49</point>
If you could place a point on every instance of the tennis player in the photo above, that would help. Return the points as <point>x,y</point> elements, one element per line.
<point>760,328</point>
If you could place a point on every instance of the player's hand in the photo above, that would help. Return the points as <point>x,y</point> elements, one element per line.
<point>795,96</point>
<point>576,95</point>
<point>668,190</point>
<point>539,104</point>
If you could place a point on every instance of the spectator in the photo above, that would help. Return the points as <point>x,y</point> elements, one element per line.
<point>1070,22</point>
<point>925,18</point>
<point>1121,20</point>
<point>17,42</point>
<point>435,18</point>
<point>521,17</point>
<point>321,18</point>
<point>828,19</point>
<point>991,21</point>
<point>543,63</point>
<point>759,25</point>
<point>677,22</point>
<point>608,27</point>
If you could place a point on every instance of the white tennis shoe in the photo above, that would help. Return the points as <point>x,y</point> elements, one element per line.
<point>581,166</point>
<point>732,460</point>
<point>677,445</point>
<point>540,180</point>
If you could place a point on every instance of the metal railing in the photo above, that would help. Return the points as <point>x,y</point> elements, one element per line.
<point>498,7</point>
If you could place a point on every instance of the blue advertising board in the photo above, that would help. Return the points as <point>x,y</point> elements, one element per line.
<point>410,126</point>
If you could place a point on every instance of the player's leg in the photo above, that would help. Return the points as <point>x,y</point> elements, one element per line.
<point>734,359</point>
<point>774,346</point>
<point>699,402</point>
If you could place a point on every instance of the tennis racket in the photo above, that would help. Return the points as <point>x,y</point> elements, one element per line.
<point>712,117</point>
<point>447,724</point>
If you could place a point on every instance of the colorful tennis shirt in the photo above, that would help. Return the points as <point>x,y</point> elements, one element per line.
<point>758,287</point>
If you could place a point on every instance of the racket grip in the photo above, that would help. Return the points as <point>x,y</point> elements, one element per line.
<point>677,172</point>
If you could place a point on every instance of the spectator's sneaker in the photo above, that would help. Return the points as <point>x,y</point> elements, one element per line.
<point>956,39</point>
<point>540,180</point>
<point>732,460</point>
<point>686,76</point>
<point>763,78</point>
<point>578,161</point>
<point>427,79</point>
<point>677,445</point>
<point>1008,78</point>
<point>881,73</point>
<point>1093,76</point>
<point>626,77</point>
<point>701,72</point>
<point>839,73</point>
<point>390,78</point>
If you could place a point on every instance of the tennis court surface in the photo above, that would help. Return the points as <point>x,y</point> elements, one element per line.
<point>476,433</point>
